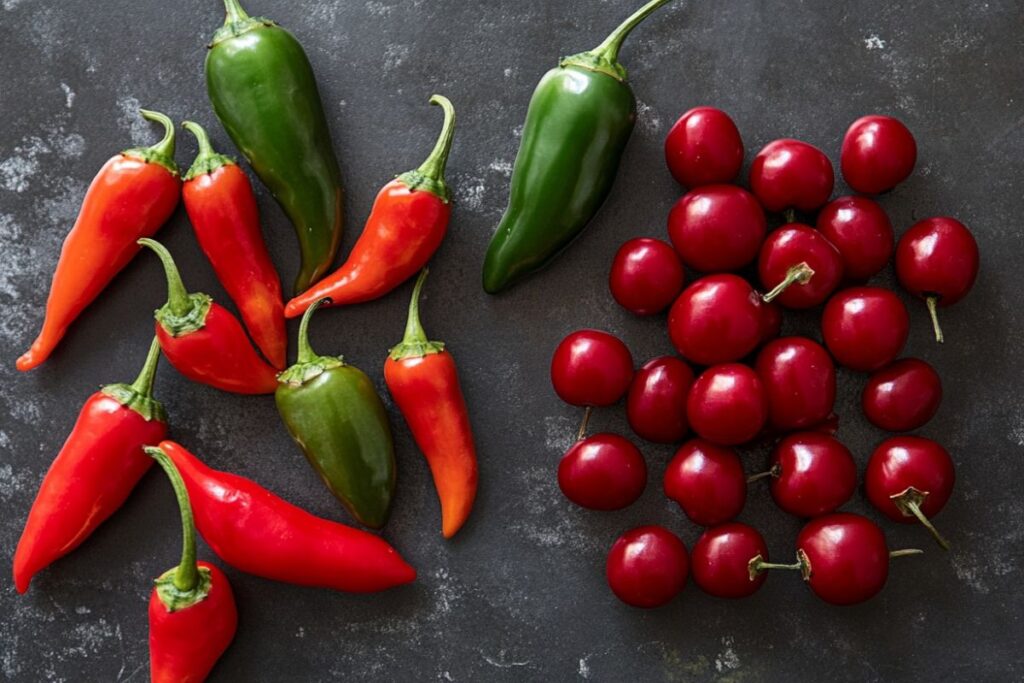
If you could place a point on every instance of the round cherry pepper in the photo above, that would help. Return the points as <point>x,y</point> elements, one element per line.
<point>656,403</point>
<point>860,229</point>
<point>878,154</point>
<point>717,319</point>
<point>902,396</point>
<point>937,260</point>
<point>798,266</point>
<point>790,174</point>
<point>704,147</point>
<point>707,481</point>
<point>602,472</point>
<point>647,566</point>
<point>865,328</point>
<point>811,474</point>
<point>723,557</point>
<point>591,368</point>
<point>646,276</point>
<point>727,404</point>
<point>717,228</point>
<point>799,381</point>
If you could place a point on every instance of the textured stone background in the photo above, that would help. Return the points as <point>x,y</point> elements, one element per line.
<point>520,594</point>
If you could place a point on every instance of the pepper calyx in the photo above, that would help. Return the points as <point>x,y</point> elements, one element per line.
<point>207,160</point>
<point>415,343</point>
<point>300,373</point>
<point>595,61</point>
<point>237,22</point>
<point>161,153</point>
<point>180,324</point>
<point>415,180</point>
<point>146,406</point>
<point>173,598</point>
<point>415,349</point>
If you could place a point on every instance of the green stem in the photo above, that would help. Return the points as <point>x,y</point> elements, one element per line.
<point>186,577</point>
<point>207,159</point>
<point>915,510</point>
<point>178,300</point>
<point>164,148</point>
<point>609,48</point>
<point>434,165</point>
<point>234,12</point>
<point>905,552</point>
<point>205,148</point>
<point>933,303</point>
<point>801,273</point>
<point>583,424</point>
<point>414,333</point>
<point>306,353</point>
<point>773,471</point>
<point>143,384</point>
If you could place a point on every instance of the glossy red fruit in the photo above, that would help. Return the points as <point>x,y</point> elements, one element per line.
<point>646,276</point>
<point>799,381</point>
<point>860,229</point>
<point>704,147</point>
<point>937,260</point>
<point>878,154</point>
<point>707,481</point>
<point>717,228</point>
<point>902,396</point>
<point>647,566</point>
<point>790,174</point>
<point>798,266</point>
<point>865,328</point>
<point>602,472</point>
<point>846,558</point>
<point>812,474</point>
<point>591,368</point>
<point>717,319</point>
<point>727,404</point>
<point>656,403</point>
<point>909,479</point>
<point>721,560</point>
<point>771,322</point>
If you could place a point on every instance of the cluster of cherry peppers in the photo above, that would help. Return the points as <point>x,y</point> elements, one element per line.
<point>787,390</point>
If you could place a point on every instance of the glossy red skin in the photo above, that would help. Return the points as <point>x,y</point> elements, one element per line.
<point>404,229</point>
<point>591,368</point>
<point>937,257</point>
<point>128,199</point>
<point>647,566</point>
<point>656,403</point>
<point>720,560</point>
<point>257,532</point>
<point>717,228</point>
<point>799,381</point>
<point>865,328</point>
<point>184,645</point>
<point>646,276</point>
<point>95,471</point>
<point>902,396</point>
<point>904,461</point>
<point>878,153</point>
<point>602,472</point>
<point>219,354</point>
<point>704,147</point>
<point>727,404</point>
<point>816,474</point>
<point>790,174</point>
<point>791,245</point>
<point>771,322</point>
<point>717,319</point>
<point>848,556</point>
<point>224,215</point>
<point>862,232</point>
<point>707,481</point>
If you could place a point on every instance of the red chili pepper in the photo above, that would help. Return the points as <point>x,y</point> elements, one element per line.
<point>97,468</point>
<point>131,197</point>
<point>253,530</point>
<point>405,228</point>
<point>422,379</point>
<point>223,211</point>
<point>192,613</point>
<point>203,341</point>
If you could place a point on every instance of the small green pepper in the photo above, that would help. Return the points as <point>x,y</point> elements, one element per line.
<point>333,412</point>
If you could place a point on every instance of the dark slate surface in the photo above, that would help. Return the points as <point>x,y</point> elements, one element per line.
<point>520,594</point>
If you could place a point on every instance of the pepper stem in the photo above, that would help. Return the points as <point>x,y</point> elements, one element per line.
<point>143,384</point>
<point>205,148</point>
<point>933,304</point>
<point>583,424</point>
<point>773,471</point>
<point>164,148</point>
<point>609,48</point>
<point>905,552</point>
<point>207,159</point>
<point>413,327</point>
<point>430,174</point>
<point>801,273</point>
<point>186,576</point>
<point>306,353</point>
<point>178,300</point>
<point>234,12</point>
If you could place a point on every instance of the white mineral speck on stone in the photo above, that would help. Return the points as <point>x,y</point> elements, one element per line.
<point>874,42</point>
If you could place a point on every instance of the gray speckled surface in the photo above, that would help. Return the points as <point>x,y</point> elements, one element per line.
<point>520,593</point>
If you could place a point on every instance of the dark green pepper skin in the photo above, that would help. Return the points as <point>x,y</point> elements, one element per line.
<point>334,413</point>
<point>262,88</point>
<point>579,121</point>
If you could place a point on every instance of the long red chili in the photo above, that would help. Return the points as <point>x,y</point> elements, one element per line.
<point>91,477</point>
<point>131,197</point>
<point>422,379</point>
<point>257,532</point>
<point>405,227</point>
<point>224,215</point>
<point>203,341</point>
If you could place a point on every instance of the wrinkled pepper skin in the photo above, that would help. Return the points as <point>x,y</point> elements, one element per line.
<point>333,412</point>
<point>94,473</point>
<point>263,90</point>
<point>578,123</point>
<point>257,532</point>
<point>132,196</point>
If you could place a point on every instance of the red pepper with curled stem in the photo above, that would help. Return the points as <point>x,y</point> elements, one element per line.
<point>203,341</point>
<point>192,613</point>
<point>423,380</point>
<point>257,532</point>
<point>95,471</point>
<point>222,208</point>
<point>406,225</point>
<point>131,197</point>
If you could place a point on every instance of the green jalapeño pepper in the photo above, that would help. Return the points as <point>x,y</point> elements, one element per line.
<point>263,90</point>
<point>579,120</point>
<point>333,412</point>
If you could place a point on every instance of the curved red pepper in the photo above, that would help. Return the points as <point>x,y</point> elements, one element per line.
<point>406,225</point>
<point>131,197</point>
<point>91,477</point>
<point>223,212</point>
<point>422,379</point>
<point>203,341</point>
<point>257,532</point>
